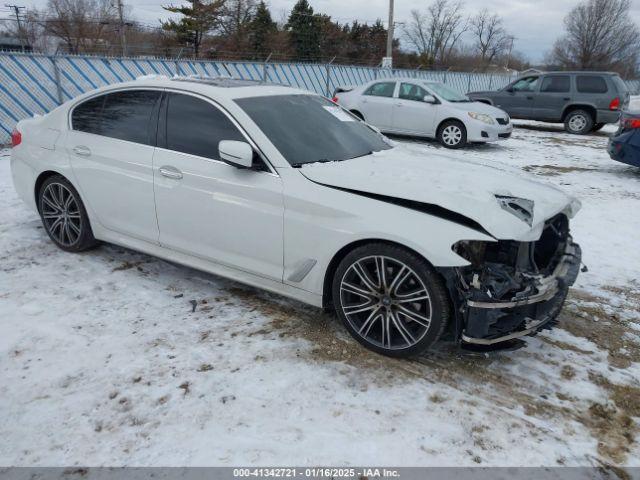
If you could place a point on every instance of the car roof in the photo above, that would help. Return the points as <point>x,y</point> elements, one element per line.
<point>218,87</point>
<point>575,72</point>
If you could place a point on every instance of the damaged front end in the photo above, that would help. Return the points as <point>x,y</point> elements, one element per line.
<point>512,289</point>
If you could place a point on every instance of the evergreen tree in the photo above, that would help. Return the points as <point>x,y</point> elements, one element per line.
<point>261,31</point>
<point>199,18</point>
<point>304,31</point>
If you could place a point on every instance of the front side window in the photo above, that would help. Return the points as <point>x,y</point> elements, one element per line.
<point>309,128</point>
<point>196,127</point>
<point>409,91</point>
<point>591,84</point>
<point>527,84</point>
<point>382,89</point>
<point>556,84</point>
<point>447,93</point>
<point>124,115</point>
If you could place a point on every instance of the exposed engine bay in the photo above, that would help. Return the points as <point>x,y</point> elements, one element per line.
<point>511,288</point>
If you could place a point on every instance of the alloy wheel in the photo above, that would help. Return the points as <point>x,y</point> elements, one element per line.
<point>452,135</point>
<point>385,302</point>
<point>61,214</point>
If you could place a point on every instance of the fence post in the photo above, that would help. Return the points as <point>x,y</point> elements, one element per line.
<point>328,86</point>
<point>265,68</point>
<point>490,81</point>
<point>56,75</point>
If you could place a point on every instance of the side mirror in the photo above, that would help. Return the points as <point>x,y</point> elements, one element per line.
<point>429,99</point>
<point>509,89</point>
<point>238,154</point>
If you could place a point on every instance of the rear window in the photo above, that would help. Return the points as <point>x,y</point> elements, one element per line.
<point>555,84</point>
<point>620,85</point>
<point>591,84</point>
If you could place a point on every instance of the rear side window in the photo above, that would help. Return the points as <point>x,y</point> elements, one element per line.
<point>123,115</point>
<point>126,115</point>
<point>196,127</point>
<point>86,116</point>
<point>382,89</point>
<point>591,84</point>
<point>555,84</point>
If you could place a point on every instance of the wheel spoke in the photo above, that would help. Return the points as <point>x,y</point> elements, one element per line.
<point>386,331</point>
<point>350,288</point>
<point>368,323</point>
<point>414,316</point>
<point>364,277</point>
<point>399,279</point>
<point>382,274</point>
<point>50,203</point>
<point>406,334</point>
<point>411,297</point>
<point>364,307</point>
<point>75,228</point>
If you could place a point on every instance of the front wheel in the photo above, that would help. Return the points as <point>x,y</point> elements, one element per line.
<point>452,134</point>
<point>578,122</point>
<point>390,300</point>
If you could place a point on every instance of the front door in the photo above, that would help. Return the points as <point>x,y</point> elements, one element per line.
<point>210,209</point>
<point>411,114</point>
<point>517,99</point>
<point>110,148</point>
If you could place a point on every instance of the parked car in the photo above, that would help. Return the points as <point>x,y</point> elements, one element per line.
<point>427,109</point>
<point>283,190</point>
<point>583,101</point>
<point>624,145</point>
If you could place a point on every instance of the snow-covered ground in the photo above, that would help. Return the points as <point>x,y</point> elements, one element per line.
<point>103,362</point>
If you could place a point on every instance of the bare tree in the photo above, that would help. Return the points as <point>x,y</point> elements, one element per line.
<point>600,34</point>
<point>436,32</point>
<point>490,38</point>
<point>80,24</point>
<point>237,16</point>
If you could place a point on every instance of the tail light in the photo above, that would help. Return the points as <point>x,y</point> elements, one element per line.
<point>335,99</point>
<point>16,138</point>
<point>631,123</point>
<point>615,104</point>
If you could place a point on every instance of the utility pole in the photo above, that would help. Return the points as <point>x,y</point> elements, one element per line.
<point>388,60</point>
<point>16,10</point>
<point>511,38</point>
<point>123,33</point>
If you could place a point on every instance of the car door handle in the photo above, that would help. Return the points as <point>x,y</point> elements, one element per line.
<point>82,151</point>
<point>566,99</point>
<point>170,172</point>
<point>399,104</point>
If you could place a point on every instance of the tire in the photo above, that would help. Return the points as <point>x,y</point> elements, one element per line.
<point>597,127</point>
<point>379,313</point>
<point>452,134</point>
<point>578,122</point>
<point>63,215</point>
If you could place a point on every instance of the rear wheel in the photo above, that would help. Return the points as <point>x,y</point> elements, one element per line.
<point>64,216</point>
<point>452,134</point>
<point>578,122</point>
<point>390,299</point>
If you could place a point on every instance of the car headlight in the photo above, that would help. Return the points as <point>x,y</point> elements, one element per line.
<point>481,117</point>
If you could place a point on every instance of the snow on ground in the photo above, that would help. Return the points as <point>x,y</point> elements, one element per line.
<point>103,362</point>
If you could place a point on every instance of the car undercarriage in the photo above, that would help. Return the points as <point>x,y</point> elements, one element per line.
<point>512,289</point>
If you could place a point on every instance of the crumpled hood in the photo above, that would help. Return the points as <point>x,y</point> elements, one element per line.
<point>460,186</point>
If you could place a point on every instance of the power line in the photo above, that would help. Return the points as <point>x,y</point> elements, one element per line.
<point>16,10</point>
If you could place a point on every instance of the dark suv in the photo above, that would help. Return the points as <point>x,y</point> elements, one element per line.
<point>583,101</point>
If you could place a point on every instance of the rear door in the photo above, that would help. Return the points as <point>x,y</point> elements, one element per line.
<point>551,99</point>
<point>376,104</point>
<point>411,114</point>
<point>110,147</point>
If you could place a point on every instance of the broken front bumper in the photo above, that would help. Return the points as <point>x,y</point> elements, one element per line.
<point>487,322</point>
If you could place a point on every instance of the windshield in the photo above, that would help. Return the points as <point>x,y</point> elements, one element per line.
<point>446,93</point>
<point>309,128</point>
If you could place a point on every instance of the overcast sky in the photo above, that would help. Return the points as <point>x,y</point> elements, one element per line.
<point>534,23</point>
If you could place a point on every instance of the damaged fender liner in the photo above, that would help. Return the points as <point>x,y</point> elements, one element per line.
<point>428,208</point>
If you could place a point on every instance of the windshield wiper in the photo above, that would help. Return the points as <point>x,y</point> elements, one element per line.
<point>322,160</point>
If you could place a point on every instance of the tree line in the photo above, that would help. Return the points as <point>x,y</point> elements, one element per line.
<point>599,34</point>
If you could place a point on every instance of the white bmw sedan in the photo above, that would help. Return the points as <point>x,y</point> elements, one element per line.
<point>283,190</point>
<point>428,109</point>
